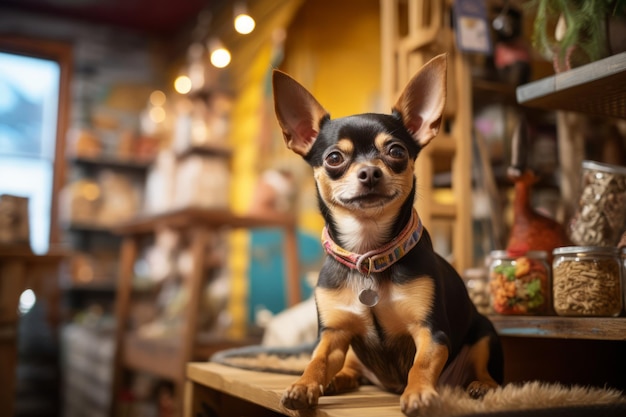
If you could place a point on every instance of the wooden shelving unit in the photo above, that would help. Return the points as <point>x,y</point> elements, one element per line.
<point>581,350</point>
<point>167,358</point>
<point>113,163</point>
<point>426,33</point>
<point>598,88</point>
<point>20,268</point>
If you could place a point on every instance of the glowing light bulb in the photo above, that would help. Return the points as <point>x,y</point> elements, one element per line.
<point>244,24</point>
<point>157,98</point>
<point>157,114</point>
<point>182,84</point>
<point>27,301</point>
<point>220,57</point>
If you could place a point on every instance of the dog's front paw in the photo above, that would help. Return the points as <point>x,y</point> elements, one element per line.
<point>412,402</point>
<point>301,396</point>
<point>478,389</point>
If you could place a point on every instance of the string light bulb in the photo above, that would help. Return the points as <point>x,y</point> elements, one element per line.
<point>244,23</point>
<point>182,84</point>
<point>219,55</point>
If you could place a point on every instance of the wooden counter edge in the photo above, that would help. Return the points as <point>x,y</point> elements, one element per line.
<point>266,389</point>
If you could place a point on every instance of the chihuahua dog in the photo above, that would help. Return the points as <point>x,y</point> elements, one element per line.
<point>390,309</point>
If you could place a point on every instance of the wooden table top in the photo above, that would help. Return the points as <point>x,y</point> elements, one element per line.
<point>266,389</point>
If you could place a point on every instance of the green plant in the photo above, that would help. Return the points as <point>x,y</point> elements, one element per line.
<point>585,26</point>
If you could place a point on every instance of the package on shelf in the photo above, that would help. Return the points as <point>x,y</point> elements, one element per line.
<point>83,142</point>
<point>14,222</point>
<point>110,198</point>
<point>88,367</point>
<point>121,197</point>
<point>202,181</point>
<point>160,183</point>
<point>79,201</point>
<point>111,141</point>
<point>202,121</point>
<point>95,267</point>
<point>194,180</point>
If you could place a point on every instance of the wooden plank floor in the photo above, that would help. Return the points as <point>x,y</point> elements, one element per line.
<point>265,389</point>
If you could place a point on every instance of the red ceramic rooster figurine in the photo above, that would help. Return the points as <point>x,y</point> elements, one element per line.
<point>531,230</point>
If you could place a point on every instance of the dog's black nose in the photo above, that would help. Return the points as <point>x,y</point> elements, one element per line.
<point>369,175</point>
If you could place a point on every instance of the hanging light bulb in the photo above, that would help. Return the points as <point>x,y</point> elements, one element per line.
<point>182,84</point>
<point>157,98</point>
<point>219,55</point>
<point>244,23</point>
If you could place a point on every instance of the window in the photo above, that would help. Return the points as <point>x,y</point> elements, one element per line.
<point>34,87</point>
<point>29,97</point>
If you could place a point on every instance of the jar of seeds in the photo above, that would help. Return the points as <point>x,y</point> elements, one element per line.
<point>586,281</point>
<point>601,215</point>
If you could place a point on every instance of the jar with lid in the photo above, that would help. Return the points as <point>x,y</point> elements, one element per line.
<point>586,281</point>
<point>601,214</point>
<point>623,261</point>
<point>520,284</point>
<point>477,285</point>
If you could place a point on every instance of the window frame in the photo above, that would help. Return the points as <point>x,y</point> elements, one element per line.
<point>61,53</point>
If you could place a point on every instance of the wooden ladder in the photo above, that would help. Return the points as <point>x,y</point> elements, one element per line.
<point>413,32</point>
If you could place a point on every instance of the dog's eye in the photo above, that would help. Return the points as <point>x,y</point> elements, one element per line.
<point>397,151</point>
<point>334,159</point>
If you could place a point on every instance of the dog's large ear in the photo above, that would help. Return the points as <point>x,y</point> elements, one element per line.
<point>298,113</point>
<point>423,99</point>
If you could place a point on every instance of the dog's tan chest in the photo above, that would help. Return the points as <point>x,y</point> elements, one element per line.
<point>400,308</point>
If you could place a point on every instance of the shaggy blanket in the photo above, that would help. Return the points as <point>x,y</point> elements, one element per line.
<point>534,398</point>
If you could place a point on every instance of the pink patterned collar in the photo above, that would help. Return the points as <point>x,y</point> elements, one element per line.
<point>380,259</point>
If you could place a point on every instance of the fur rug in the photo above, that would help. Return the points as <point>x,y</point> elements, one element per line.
<point>542,398</point>
<point>531,398</point>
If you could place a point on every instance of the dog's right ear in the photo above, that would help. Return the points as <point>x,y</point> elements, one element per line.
<point>298,113</point>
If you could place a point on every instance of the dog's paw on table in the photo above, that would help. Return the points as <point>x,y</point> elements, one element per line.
<point>412,402</point>
<point>299,396</point>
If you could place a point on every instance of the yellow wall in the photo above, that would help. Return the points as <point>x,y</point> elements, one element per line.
<point>333,49</point>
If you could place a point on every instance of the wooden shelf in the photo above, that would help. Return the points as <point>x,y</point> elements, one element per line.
<point>167,358</point>
<point>190,217</point>
<point>89,227</point>
<point>108,162</point>
<point>595,328</point>
<point>24,253</point>
<point>160,357</point>
<point>157,357</point>
<point>598,88</point>
<point>214,150</point>
<point>100,287</point>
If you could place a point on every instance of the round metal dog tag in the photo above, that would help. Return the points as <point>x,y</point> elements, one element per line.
<point>368,297</point>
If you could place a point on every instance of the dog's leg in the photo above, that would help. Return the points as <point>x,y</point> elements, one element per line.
<point>348,378</point>
<point>479,358</point>
<point>430,358</point>
<point>328,358</point>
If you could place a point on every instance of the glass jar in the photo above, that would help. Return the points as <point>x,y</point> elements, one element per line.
<point>477,285</point>
<point>586,281</point>
<point>520,284</point>
<point>623,259</point>
<point>601,214</point>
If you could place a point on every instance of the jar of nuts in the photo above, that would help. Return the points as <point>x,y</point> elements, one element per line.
<point>601,215</point>
<point>519,285</point>
<point>586,281</point>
